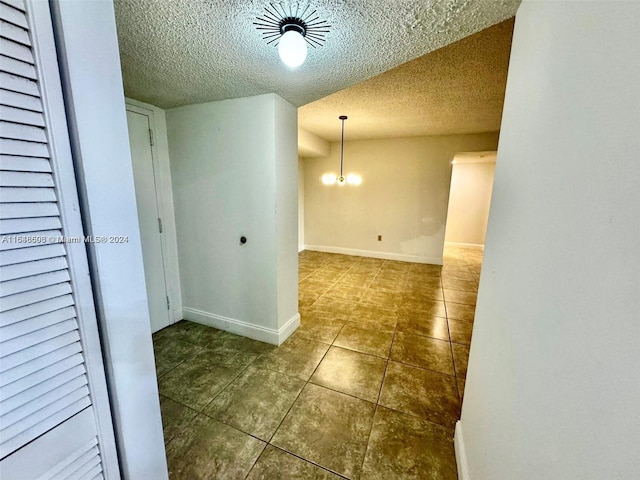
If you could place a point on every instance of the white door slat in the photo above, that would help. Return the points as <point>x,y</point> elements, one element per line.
<point>9,405</point>
<point>23,225</point>
<point>61,469</point>
<point>24,164</point>
<point>18,115</point>
<point>46,419</point>
<point>20,100</point>
<point>19,84</point>
<point>29,210</point>
<point>100,476</point>
<point>22,378</point>
<point>13,272</point>
<point>33,404</point>
<point>36,323</point>
<point>28,240</point>
<point>33,296</point>
<point>27,194</point>
<point>34,351</point>
<point>15,50</point>
<point>26,179</point>
<point>15,33</point>
<point>20,285</point>
<point>21,255</point>
<point>91,468</point>
<point>13,14</point>
<point>40,308</point>
<point>22,147</point>
<point>37,337</point>
<point>16,67</point>
<point>27,133</point>
<point>17,4</point>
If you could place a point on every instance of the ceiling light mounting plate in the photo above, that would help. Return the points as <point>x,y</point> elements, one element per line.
<point>278,18</point>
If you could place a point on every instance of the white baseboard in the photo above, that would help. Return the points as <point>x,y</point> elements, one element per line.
<point>474,246</point>
<point>300,248</point>
<point>257,332</point>
<point>461,453</point>
<point>375,254</point>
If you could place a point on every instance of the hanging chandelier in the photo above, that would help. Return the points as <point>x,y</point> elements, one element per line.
<point>291,30</point>
<point>351,179</point>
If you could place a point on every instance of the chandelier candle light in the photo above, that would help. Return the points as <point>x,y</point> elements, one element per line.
<point>291,31</point>
<point>351,179</point>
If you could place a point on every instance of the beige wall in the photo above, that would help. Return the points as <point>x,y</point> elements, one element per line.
<point>234,173</point>
<point>469,201</point>
<point>403,196</point>
<point>300,204</point>
<point>552,390</point>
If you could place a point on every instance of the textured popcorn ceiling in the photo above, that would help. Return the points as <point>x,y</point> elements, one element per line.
<point>178,52</point>
<point>457,89</point>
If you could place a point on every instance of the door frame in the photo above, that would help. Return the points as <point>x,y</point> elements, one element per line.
<point>164,198</point>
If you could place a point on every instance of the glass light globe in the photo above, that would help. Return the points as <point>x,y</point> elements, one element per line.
<point>292,49</point>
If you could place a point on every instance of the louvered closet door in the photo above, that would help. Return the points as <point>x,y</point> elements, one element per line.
<point>54,413</point>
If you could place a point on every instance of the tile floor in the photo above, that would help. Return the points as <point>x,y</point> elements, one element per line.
<point>369,386</point>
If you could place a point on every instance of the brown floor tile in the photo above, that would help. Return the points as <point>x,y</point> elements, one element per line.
<point>170,352</point>
<point>338,309</point>
<point>382,299</point>
<point>461,385</point>
<point>461,359</point>
<point>460,331</point>
<point>405,447</point>
<point>195,382</point>
<point>208,449</point>
<point>256,401</point>
<point>186,331</point>
<point>276,464</point>
<point>174,417</point>
<point>457,296</point>
<point>365,339</point>
<point>429,395</point>
<point>423,307</point>
<point>345,292</point>
<point>350,372</point>
<point>425,270</point>
<point>374,317</point>
<point>298,357</point>
<point>423,294</point>
<point>458,311</point>
<point>327,428</point>
<point>434,327</point>
<point>230,349</point>
<point>422,352</point>
<point>319,326</point>
<point>455,284</point>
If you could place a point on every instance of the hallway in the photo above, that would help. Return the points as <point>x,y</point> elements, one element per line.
<point>368,387</point>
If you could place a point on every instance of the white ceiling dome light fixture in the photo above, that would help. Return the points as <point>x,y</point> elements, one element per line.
<point>291,31</point>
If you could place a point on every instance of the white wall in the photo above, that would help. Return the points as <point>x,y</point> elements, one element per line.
<point>90,63</point>
<point>403,196</point>
<point>234,173</point>
<point>469,199</point>
<point>552,390</point>
<point>300,204</point>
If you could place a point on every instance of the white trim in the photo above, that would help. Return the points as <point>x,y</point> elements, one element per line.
<point>301,248</point>
<point>375,254</point>
<point>44,51</point>
<point>474,246</point>
<point>461,453</point>
<point>164,195</point>
<point>257,332</point>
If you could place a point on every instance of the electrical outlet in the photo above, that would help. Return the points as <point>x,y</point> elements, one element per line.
<point>379,238</point>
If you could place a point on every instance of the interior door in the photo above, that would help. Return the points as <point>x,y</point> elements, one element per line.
<point>149,218</point>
